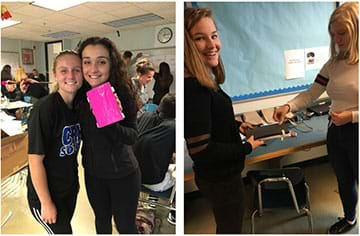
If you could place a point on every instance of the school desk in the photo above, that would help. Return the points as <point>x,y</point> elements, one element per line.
<point>276,148</point>
<point>14,145</point>
<point>13,154</point>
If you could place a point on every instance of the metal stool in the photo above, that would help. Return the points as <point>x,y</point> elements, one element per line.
<point>280,188</point>
<point>168,196</point>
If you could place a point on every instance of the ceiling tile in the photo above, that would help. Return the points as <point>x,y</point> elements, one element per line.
<point>108,7</point>
<point>102,17</point>
<point>33,11</point>
<point>86,18</point>
<point>129,12</point>
<point>80,11</point>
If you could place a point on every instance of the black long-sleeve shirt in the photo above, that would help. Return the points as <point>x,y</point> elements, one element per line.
<point>211,112</point>
<point>107,152</point>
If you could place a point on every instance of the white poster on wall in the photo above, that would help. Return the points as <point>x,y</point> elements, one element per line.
<point>12,59</point>
<point>316,57</point>
<point>294,64</point>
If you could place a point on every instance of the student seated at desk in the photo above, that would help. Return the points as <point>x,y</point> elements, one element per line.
<point>6,73</point>
<point>37,76</point>
<point>11,91</point>
<point>156,144</point>
<point>144,75</point>
<point>35,89</point>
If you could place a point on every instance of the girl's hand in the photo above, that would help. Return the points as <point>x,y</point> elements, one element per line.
<point>341,117</point>
<point>280,113</point>
<point>244,126</point>
<point>48,213</point>
<point>255,143</point>
<point>118,102</point>
<point>24,84</point>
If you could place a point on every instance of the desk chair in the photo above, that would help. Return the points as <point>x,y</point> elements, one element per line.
<point>280,188</point>
<point>168,196</point>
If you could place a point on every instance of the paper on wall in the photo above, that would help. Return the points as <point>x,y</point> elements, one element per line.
<point>294,64</point>
<point>316,57</point>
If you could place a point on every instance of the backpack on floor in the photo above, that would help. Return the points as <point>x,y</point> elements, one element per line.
<point>145,220</point>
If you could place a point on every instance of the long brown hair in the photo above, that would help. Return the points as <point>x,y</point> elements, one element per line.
<point>348,15</point>
<point>118,76</point>
<point>193,62</point>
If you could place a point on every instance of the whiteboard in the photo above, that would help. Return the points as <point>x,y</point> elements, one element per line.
<point>254,37</point>
<point>156,56</point>
<point>12,59</point>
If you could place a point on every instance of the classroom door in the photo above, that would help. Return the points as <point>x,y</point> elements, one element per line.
<point>52,49</point>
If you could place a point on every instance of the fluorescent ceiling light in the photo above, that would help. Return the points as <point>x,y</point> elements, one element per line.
<point>133,20</point>
<point>8,23</point>
<point>57,5</point>
<point>61,34</point>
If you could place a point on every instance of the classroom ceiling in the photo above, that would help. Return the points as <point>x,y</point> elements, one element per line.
<point>86,19</point>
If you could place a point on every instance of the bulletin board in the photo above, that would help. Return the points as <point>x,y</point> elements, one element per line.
<point>254,37</point>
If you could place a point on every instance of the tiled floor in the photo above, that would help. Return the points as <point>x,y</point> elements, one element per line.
<point>22,222</point>
<point>325,207</point>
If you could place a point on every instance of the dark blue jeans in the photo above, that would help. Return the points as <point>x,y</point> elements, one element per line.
<point>343,151</point>
<point>227,201</point>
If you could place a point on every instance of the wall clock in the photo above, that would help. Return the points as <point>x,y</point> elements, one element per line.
<point>164,35</point>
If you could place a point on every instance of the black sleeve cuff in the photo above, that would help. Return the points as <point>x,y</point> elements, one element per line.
<point>247,148</point>
<point>238,124</point>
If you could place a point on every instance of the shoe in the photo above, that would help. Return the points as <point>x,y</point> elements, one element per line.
<point>171,218</point>
<point>341,227</point>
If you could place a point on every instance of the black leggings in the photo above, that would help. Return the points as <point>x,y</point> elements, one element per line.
<point>118,197</point>
<point>343,151</point>
<point>227,201</point>
<point>65,208</point>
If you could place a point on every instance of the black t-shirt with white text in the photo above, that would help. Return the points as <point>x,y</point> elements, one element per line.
<point>54,131</point>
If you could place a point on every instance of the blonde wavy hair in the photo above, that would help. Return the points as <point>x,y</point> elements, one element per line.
<point>348,15</point>
<point>193,62</point>
<point>144,66</point>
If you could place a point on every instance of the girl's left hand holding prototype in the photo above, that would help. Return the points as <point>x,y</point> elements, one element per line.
<point>118,102</point>
<point>341,117</point>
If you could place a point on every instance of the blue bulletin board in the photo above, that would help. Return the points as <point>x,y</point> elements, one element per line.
<point>254,36</point>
